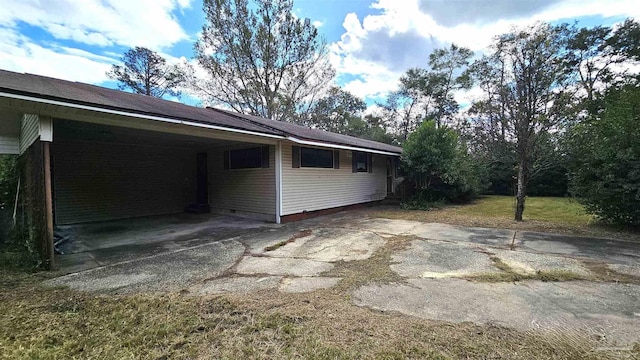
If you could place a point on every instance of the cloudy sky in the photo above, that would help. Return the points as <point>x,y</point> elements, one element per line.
<point>372,42</point>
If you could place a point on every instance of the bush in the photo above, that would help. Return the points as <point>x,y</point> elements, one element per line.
<point>439,165</point>
<point>17,251</point>
<point>605,159</point>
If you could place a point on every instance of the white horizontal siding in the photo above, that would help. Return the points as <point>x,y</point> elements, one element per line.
<point>29,131</point>
<point>309,189</point>
<point>9,145</point>
<point>242,190</point>
<point>101,181</point>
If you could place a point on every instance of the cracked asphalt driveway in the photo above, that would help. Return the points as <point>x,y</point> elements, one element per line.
<point>591,287</point>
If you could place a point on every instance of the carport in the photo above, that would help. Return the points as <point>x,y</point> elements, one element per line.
<point>96,156</point>
<point>135,191</point>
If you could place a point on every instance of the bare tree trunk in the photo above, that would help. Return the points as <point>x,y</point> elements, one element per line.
<point>522,189</point>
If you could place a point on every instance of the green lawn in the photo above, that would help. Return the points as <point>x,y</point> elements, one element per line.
<point>552,209</point>
<point>545,214</point>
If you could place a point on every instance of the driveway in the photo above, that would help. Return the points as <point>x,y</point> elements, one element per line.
<point>442,272</point>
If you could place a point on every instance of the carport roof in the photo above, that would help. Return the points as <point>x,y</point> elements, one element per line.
<point>48,88</point>
<point>42,88</point>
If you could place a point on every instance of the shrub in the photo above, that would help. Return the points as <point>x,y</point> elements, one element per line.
<point>440,165</point>
<point>605,159</point>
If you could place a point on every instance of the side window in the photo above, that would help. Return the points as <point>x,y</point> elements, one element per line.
<point>250,158</point>
<point>361,161</point>
<point>314,158</point>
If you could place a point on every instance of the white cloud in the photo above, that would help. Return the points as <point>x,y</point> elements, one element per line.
<point>318,24</point>
<point>21,55</point>
<point>378,49</point>
<point>147,23</point>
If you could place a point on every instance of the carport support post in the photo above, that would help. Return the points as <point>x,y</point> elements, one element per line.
<point>48,205</point>
<point>278,181</point>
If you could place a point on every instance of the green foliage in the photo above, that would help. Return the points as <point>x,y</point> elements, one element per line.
<point>440,165</point>
<point>146,72</point>
<point>261,59</point>
<point>429,92</point>
<point>605,158</point>
<point>16,249</point>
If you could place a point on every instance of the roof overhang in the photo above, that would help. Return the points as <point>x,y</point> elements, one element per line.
<point>136,115</point>
<point>171,120</point>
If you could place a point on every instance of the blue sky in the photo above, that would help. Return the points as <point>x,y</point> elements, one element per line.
<point>372,42</point>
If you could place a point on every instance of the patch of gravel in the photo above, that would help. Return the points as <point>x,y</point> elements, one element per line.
<point>281,266</point>
<point>331,244</point>
<point>299,285</point>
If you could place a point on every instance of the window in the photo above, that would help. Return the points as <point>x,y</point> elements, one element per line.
<point>361,161</point>
<point>314,158</point>
<point>250,158</point>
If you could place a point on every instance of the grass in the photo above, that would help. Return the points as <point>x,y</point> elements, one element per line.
<point>508,274</point>
<point>45,323</point>
<point>545,214</point>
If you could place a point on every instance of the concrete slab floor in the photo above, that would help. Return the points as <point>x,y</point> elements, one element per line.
<point>604,311</point>
<point>103,243</point>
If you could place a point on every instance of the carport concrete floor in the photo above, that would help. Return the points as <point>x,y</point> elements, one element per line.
<point>102,243</point>
<point>441,271</point>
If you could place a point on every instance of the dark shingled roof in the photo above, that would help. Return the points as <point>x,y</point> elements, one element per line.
<point>90,95</point>
<point>306,133</point>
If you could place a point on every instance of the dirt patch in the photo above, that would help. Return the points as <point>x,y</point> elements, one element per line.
<point>508,274</point>
<point>375,269</point>
<point>300,234</point>
<point>601,272</point>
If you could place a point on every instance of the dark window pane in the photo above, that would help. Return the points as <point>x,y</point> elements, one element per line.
<point>317,158</point>
<point>245,158</point>
<point>360,159</point>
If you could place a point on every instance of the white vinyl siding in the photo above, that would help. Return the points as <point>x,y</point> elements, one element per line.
<point>242,190</point>
<point>29,132</point>
<point>96,181</point>
<point>309,189</point>
<point>9,144</point>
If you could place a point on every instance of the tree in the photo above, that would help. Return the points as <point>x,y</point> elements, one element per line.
<point>525,91</point>
<point>601,56</point>
<point>438,163</point>
<point>427,93</point>
<point>605,158</point>
<point>261,59</point>
<point>146,72</point>
<point>336,111</point>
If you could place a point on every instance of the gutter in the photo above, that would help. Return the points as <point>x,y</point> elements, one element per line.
<point>336,146</point>
<point>301,141</point>
<point>136,115</point>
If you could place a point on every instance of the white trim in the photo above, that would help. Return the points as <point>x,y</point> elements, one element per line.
<point>278,181</point>
<point>135,115</point>
<point>46,128</point>
<point>335,146</point>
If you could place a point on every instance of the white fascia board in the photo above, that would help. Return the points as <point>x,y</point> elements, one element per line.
<point>336,146</point>
<point>135,115</point>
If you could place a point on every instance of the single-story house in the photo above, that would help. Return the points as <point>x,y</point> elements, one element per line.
<point>104,154</point>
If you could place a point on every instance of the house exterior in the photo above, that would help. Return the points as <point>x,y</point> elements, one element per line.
<point>96,154</point>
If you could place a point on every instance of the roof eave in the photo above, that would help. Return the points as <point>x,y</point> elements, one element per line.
<point>173,120</point>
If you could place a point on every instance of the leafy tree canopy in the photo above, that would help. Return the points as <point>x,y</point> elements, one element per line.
<point>146,72</point>
<point>261,59</point>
